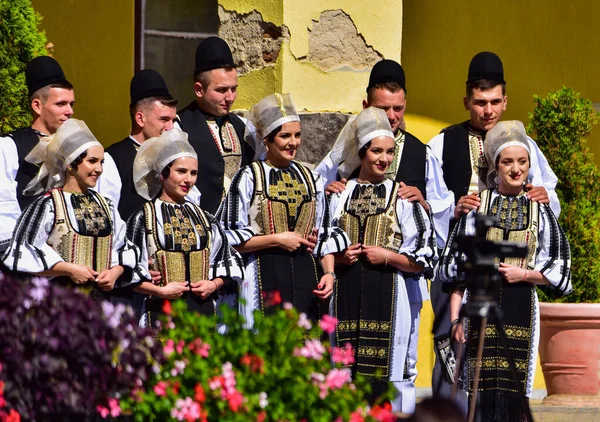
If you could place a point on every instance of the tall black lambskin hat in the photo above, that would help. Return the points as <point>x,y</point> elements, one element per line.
<point>387,71</point>
<point>148,83</point>
<point>213,53</point>
<point>43,71</point>
<point>486,65</point>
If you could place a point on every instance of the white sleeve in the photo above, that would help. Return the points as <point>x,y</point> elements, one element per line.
<point>543,175</point>
<point>439,198</point>
<point>109,183</point>
<point>234,210</point>
<point>28,250</point>
<point>330,239</point>
<point>327,169</point>
<point>194,196</point>
<point>9,206</point>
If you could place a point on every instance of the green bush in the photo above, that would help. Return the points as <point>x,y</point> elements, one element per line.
<point>20,41</point>
<point>560,123</point>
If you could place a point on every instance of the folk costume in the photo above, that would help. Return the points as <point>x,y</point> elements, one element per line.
<point>372,302</point>
<point>217,140</point>
<point>81,228</point>
<point>521,220</point>
<point>185,243</point>
<point>15,171</point>
<point>265,200</point>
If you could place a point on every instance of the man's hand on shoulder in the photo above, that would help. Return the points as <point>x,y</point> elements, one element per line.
<point>336,187</point>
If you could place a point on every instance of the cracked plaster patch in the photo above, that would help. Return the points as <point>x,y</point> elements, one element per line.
<point>254,43</point>
<point>334,43</point>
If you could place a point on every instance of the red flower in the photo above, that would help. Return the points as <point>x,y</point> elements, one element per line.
<point>166,307</point>
<point>262,415</point>
<point>13,416</point>
<point>176,386</point>
<point>199,395</point>
<point>383,413</point>
<point>271,298</point>
<point>235,400</point>
<point>256,363</point>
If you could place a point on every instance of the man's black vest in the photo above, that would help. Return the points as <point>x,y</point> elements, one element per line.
<point>211,166</point>
<point>25,140</point>
<point>123,154</point>
<point>412,167</point>
<point>457,159</point>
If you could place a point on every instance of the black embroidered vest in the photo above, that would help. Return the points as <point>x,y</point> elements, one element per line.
<point>25,140</point>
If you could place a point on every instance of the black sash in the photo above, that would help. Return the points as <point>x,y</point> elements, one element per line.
<point>123,153</point>
<point>25,140</point>
<point>365,297</point>
<point>457,159</point>
<point>211,165</point>
<point>293,274</point>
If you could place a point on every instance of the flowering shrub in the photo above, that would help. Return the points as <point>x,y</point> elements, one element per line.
<point>280,371</point>
<point>63,355</point>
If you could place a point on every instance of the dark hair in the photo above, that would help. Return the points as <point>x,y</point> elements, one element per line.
<point>393,87</point>
<point>271,136</point>
<point>147,102</point>
<point>167,170</point>
<point>363,151</point>
<point>484,85</point>
<point>78,160</point>
<point>43,93</point>
<point>204,75</point>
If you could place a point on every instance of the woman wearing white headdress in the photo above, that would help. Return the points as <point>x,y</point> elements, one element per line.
<point>271,209</point>
<point>389,237</point>
<point>186,244</point>
<point>547,264</point>
<point>71,232</point>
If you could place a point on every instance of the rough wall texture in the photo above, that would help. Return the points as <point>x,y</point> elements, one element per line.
<point>334,44</point>
<point>254,42</point>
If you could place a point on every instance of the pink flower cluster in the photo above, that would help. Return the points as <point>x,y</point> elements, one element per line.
<point>113,409</point>
<point>199,348</point>
<point>328,323</point>
<point>344,355</point>
<point>334,380</point>
<point>186,409</point>
<point>313,349</point>
<point>226,383</point>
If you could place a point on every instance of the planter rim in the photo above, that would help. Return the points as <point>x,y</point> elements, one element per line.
<point>569,310</point>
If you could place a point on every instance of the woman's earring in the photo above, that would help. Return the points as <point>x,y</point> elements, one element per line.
<point>497,180</point>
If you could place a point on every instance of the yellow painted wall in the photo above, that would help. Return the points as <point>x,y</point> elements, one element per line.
<point>94,43</point>
<point>312,88</point>
<point>543,43</point>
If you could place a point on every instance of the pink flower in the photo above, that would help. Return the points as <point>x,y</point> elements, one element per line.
<point>115,409</point>
<point>357,416</point>
<point>215,382</point>
<point>328,323</point>
<point>235,400</point>
<point>304,322</point>
<point>169,347</point>
<point>287,306</point>
<point>103,411</point>
<point>345,355</point>
<point>178,368</point>
<point>337,377</point>
<point>179,346</point>
<point>186,409</point>
<point>200,348</point>
<point>313,349</point>
<point>160,389</point>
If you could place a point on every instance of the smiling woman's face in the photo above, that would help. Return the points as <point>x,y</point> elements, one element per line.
<point>285,144</point>
<point>181,179</point>
<point>512,168</point>
<point>90,169</point>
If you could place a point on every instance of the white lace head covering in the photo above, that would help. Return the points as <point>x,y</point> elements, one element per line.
<point>266,116</point>
<point>54,153</point>
<point>361,129</point>
<point>504,134</point>
<point>154,155</point>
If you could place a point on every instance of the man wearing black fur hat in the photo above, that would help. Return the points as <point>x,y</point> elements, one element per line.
<point>459,149</point>
<point>51,99</point>
<point>420,177</point>
<point>152,111</point>
<point>215,133</point>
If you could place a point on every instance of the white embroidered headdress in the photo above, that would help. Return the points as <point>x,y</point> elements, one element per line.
<point>154,155</point>
<point>54,153</point>
<point>503,135</point>
<point>360,129</point>
<point>266,116</point>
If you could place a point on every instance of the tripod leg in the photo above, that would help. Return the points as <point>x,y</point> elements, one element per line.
<point>460,361</point>
<point>473,403</point>
<point>512,366</point>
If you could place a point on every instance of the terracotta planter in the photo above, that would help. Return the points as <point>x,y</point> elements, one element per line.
<point>570,352</point>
